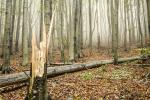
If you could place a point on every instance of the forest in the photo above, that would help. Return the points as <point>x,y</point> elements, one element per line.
<point>74,49</point>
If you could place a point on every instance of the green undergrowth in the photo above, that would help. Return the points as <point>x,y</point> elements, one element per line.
<point>145,51</point>
<point>121,72</point>
<point>87,76</point>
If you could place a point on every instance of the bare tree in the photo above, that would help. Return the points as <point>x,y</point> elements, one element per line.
<point>18,26</point>
<point>6,45</point>
<point>114,23</point>
<point>25,33</point>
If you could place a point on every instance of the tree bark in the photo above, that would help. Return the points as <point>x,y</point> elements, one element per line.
<point>114,23</point>
<point>25,33</point>
<point>125,25</point>
<point>38,80</point>
<point>148,7</point>
<point>139,25</point>
<point>12,25</point>
<point>18,27</point>
<point>6,45</point>
<point>90,27</point>
<point>71,44</point>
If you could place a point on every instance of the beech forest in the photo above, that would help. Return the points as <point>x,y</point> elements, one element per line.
<point>74,49</point>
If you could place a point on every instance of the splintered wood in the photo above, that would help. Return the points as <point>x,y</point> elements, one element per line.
<point>38,56</point>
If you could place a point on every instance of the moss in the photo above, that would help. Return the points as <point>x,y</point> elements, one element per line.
<point>87,76</point>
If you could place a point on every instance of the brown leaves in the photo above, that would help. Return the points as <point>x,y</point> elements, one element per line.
<point>73,86</point>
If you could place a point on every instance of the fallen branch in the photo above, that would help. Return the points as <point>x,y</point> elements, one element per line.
<point>60,64</point>
<point>58,70</point>
<point>12,88</point>
<point>142,65</point>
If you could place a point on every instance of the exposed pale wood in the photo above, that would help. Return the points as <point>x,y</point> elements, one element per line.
<point>58,70</point>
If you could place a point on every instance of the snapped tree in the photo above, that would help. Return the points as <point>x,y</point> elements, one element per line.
<point>38,80</point>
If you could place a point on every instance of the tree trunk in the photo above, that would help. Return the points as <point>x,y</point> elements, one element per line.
<point>62,31</point>
<point>139,25</point>
<point>12,25</point>
<point>18,27</point>
<point>129,23</point>
<point>125,25</point>
<point>38,81</point>
<point>6,45</point>
<point>25,34</point>
<point>148,7</point>
<point>90,27</point>
<point>71,44</point>
<point>80,29</point>
<point>114,23</point>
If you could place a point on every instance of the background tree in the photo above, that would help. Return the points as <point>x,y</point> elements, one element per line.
<point>114,23</point>
<point>18,26</point>
<point>25,33</point>
<point>90,27</point>
<point>6,45</point>
<point>13,13</point>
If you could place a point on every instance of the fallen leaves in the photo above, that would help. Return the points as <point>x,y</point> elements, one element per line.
<point>109,81</point>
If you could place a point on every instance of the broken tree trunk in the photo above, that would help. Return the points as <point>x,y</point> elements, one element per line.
<point>58,70</point>
<point>38,78</point>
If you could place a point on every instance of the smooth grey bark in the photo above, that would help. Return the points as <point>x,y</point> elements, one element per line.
<point>125,25</point>
<point>80,30</point>
<point>12,25</point>
<point>71,44</point>
<point>145,15</point>
<point>129,22</point>
<point>114,23</point>
<point>90,27</point>
<point>6,45</point>
<point>18,27</point>
<point>25,33</point>
<point>3,17</point>
<point>76,29</point>
<point>62,30</point>
<point>47,17</point>
<point>47,13</point>
<point>139,24</point>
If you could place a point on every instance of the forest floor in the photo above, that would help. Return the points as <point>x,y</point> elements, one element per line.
<point>126,81</point>
<point>103,54</point>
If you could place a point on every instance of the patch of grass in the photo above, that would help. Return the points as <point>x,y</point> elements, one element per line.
<point>87,76</point>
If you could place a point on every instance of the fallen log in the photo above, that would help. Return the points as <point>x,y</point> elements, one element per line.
<point>58,70</point>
